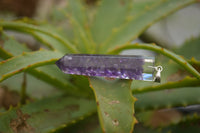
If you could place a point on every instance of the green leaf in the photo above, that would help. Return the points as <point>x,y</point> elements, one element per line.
<point>181,128</point>
<point>167,98</point>
<point>79,21</point>
<point>77,11</point>
<point>82,83</point>
<point>33,30</point>
<point>190,49</point>
<point>36,88</point>
<point>25,61</point>
<point>14,48</point>
<point>144,17</point>
<point>175,121</point>
<point>187,82</point>
<point>46,115</point>
<point>154,118</point>
<point>51,74</point>
<point>174,91</point>
<point>115,105</point>
<point>73,85</point>
<point>110,15</point>
<point>4,54</point>
<point>50,42</point>
<point>87,125</point>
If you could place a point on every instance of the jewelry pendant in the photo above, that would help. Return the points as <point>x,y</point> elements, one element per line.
<point>111,66</point>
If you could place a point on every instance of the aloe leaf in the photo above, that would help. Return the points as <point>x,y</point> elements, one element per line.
<point>31,29</point>
<point>82,83</point>
<point>78,18</point>
<point>77,11</point>
<point>51,74</point>
<point>180,92</point>
<point>190,49</point>
<point>171,120</point>
<point>175,116</point>
<point>113,99</point>
<point>27,61</point>
<point>110,15</point>
<point>195,64</point>
<point>181,128</point>
<point>4,54</point>
<point>142,19</point>
<point>167,98</point>
<point>46,115</point>
<point>193,61</point>
<point>186,82</point>
<point>47,40</point>
<point>13,47</point>
<point>87,125</point>
<point>50,42</point>
<point>73,85</point>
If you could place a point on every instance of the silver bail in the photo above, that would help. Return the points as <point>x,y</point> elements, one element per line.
<point>158,70</point>
<point>158,74</point>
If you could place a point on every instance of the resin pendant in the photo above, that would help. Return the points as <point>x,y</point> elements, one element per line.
<point>110,66</point>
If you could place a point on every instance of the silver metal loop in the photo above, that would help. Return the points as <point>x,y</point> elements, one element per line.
<point>158,70</point>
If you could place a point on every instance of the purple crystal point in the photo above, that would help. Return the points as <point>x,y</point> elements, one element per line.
<point>112,66</point>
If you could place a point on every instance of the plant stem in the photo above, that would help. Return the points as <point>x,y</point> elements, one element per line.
<point>178,59</point>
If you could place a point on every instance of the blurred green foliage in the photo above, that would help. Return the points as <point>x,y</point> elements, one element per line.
<point>71,103</point>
